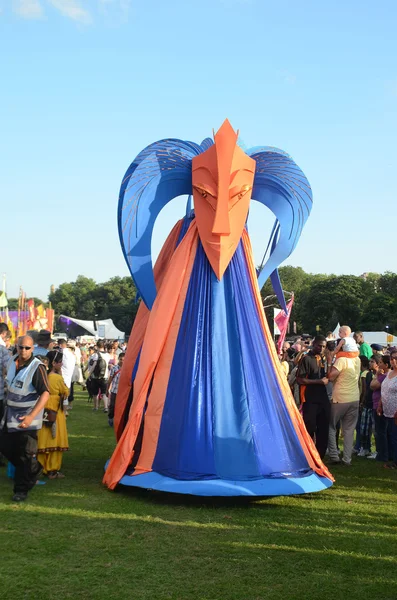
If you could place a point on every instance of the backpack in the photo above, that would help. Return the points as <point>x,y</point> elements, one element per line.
<point>100,367</point>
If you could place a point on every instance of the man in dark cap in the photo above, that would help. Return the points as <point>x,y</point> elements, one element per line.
<point>44,343</point>
<point>377,348</point>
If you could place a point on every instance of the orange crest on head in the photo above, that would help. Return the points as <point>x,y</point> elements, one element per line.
<point>222,179</point>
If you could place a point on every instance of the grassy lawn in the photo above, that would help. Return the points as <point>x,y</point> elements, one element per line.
<point>75,539</point>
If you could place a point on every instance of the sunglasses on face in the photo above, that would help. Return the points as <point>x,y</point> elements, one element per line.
<point>25,347</point>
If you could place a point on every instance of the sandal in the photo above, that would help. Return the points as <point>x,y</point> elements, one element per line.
<point>56,475</point>
<point>391,466</point>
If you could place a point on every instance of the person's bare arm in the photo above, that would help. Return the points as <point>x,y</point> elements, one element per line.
<point>305,381</point>
<point>333,374</point>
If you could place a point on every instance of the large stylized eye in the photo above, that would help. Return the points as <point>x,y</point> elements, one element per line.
<point>240,191</point>
<point>204,190</point>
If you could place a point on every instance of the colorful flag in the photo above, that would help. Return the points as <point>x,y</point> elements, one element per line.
<point>281,320</point>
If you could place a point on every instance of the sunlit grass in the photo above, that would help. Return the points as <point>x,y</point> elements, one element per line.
<point>75,539</point>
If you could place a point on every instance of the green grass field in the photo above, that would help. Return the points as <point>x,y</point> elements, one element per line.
<point>75,539</point>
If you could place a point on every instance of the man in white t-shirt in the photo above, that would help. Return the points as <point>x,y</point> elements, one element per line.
<point>98,371</point>
<point>68,363</point>
<point>344,374</point>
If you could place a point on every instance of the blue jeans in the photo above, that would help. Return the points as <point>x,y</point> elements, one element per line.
<point>392,428</point>
<point>383,438</point>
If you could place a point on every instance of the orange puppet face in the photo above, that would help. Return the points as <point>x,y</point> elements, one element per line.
<point>222,178</point>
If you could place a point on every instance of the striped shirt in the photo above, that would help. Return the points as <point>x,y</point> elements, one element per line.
<point>115,375</point>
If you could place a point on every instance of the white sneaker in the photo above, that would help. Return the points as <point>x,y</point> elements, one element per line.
<point>363,453</point>
<point>373,455</point>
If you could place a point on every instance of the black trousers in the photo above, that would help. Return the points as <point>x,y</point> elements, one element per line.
<point>71,393</point>
<point>316,416</point>
<point>21,450</point>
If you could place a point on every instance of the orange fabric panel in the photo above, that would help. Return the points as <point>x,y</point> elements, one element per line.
<point>160,324</point>
<point>158,392</point>
<point>306,441</point>
<point>138,330</point>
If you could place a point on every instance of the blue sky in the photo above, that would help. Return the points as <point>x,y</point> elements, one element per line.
<point>87,84</point>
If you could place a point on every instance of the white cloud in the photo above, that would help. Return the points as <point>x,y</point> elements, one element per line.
<point>28,9</point>
<point>71,9</point>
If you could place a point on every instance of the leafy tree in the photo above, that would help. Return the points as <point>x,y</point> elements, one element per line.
<point>85,299</point>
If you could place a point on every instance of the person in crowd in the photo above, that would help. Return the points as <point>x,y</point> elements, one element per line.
<point>377,349</point>
<point>284,358</point>
<point>311,376</point>
<point>44,343</point>
<point>53,436</point>
<point>388,409</point>
<point>111,350</point>
<point>346,343</point>
<point>27,394</point>
<point>344,374</point>
<point>367,420</point>
<point>113,386</point>
<point>7,341</point>
<point>68,364</point>
<point>362,389</point>
<point>98,370</point>
<point>78,373</point>
<point>365,349</point>
<point>298,345</point>
<point>89,381</point>
<point>4,360</point>
<point>3,333</point>
<point>382,437</point>
<point>116,348</point>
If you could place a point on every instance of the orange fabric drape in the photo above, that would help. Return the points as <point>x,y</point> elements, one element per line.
<point>306,441</point>
<point>138,331</point>
<point>162,329</point>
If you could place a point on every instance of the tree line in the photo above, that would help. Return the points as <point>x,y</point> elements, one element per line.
<point>88,300</point>
<point>368,303</point>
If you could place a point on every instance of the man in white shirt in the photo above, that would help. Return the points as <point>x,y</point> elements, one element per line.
<point>98,371</point>
<point>68,363</point>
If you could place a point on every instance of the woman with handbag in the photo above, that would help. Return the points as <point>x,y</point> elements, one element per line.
<point>53,437</point>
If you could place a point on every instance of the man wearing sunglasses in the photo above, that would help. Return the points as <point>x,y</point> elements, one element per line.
<point>26,397</point>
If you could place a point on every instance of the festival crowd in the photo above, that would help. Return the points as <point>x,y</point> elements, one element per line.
<point>37,380</point>
<point>346,388</point>
<point>342,387</point>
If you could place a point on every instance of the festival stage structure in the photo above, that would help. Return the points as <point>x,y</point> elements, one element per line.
<point>27,318</point>
<point>203,407</point>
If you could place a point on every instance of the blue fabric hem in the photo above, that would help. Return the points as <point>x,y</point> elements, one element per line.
<point>282,486</point>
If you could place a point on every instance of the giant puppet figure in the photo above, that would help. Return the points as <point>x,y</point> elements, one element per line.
<point>203,407</point>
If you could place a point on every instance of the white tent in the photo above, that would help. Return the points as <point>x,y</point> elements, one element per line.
<point>105,328</point>
<point>380,337</point>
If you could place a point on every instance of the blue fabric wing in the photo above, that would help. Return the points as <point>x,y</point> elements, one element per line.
<point>158,174</point>
<point>280,185</point>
